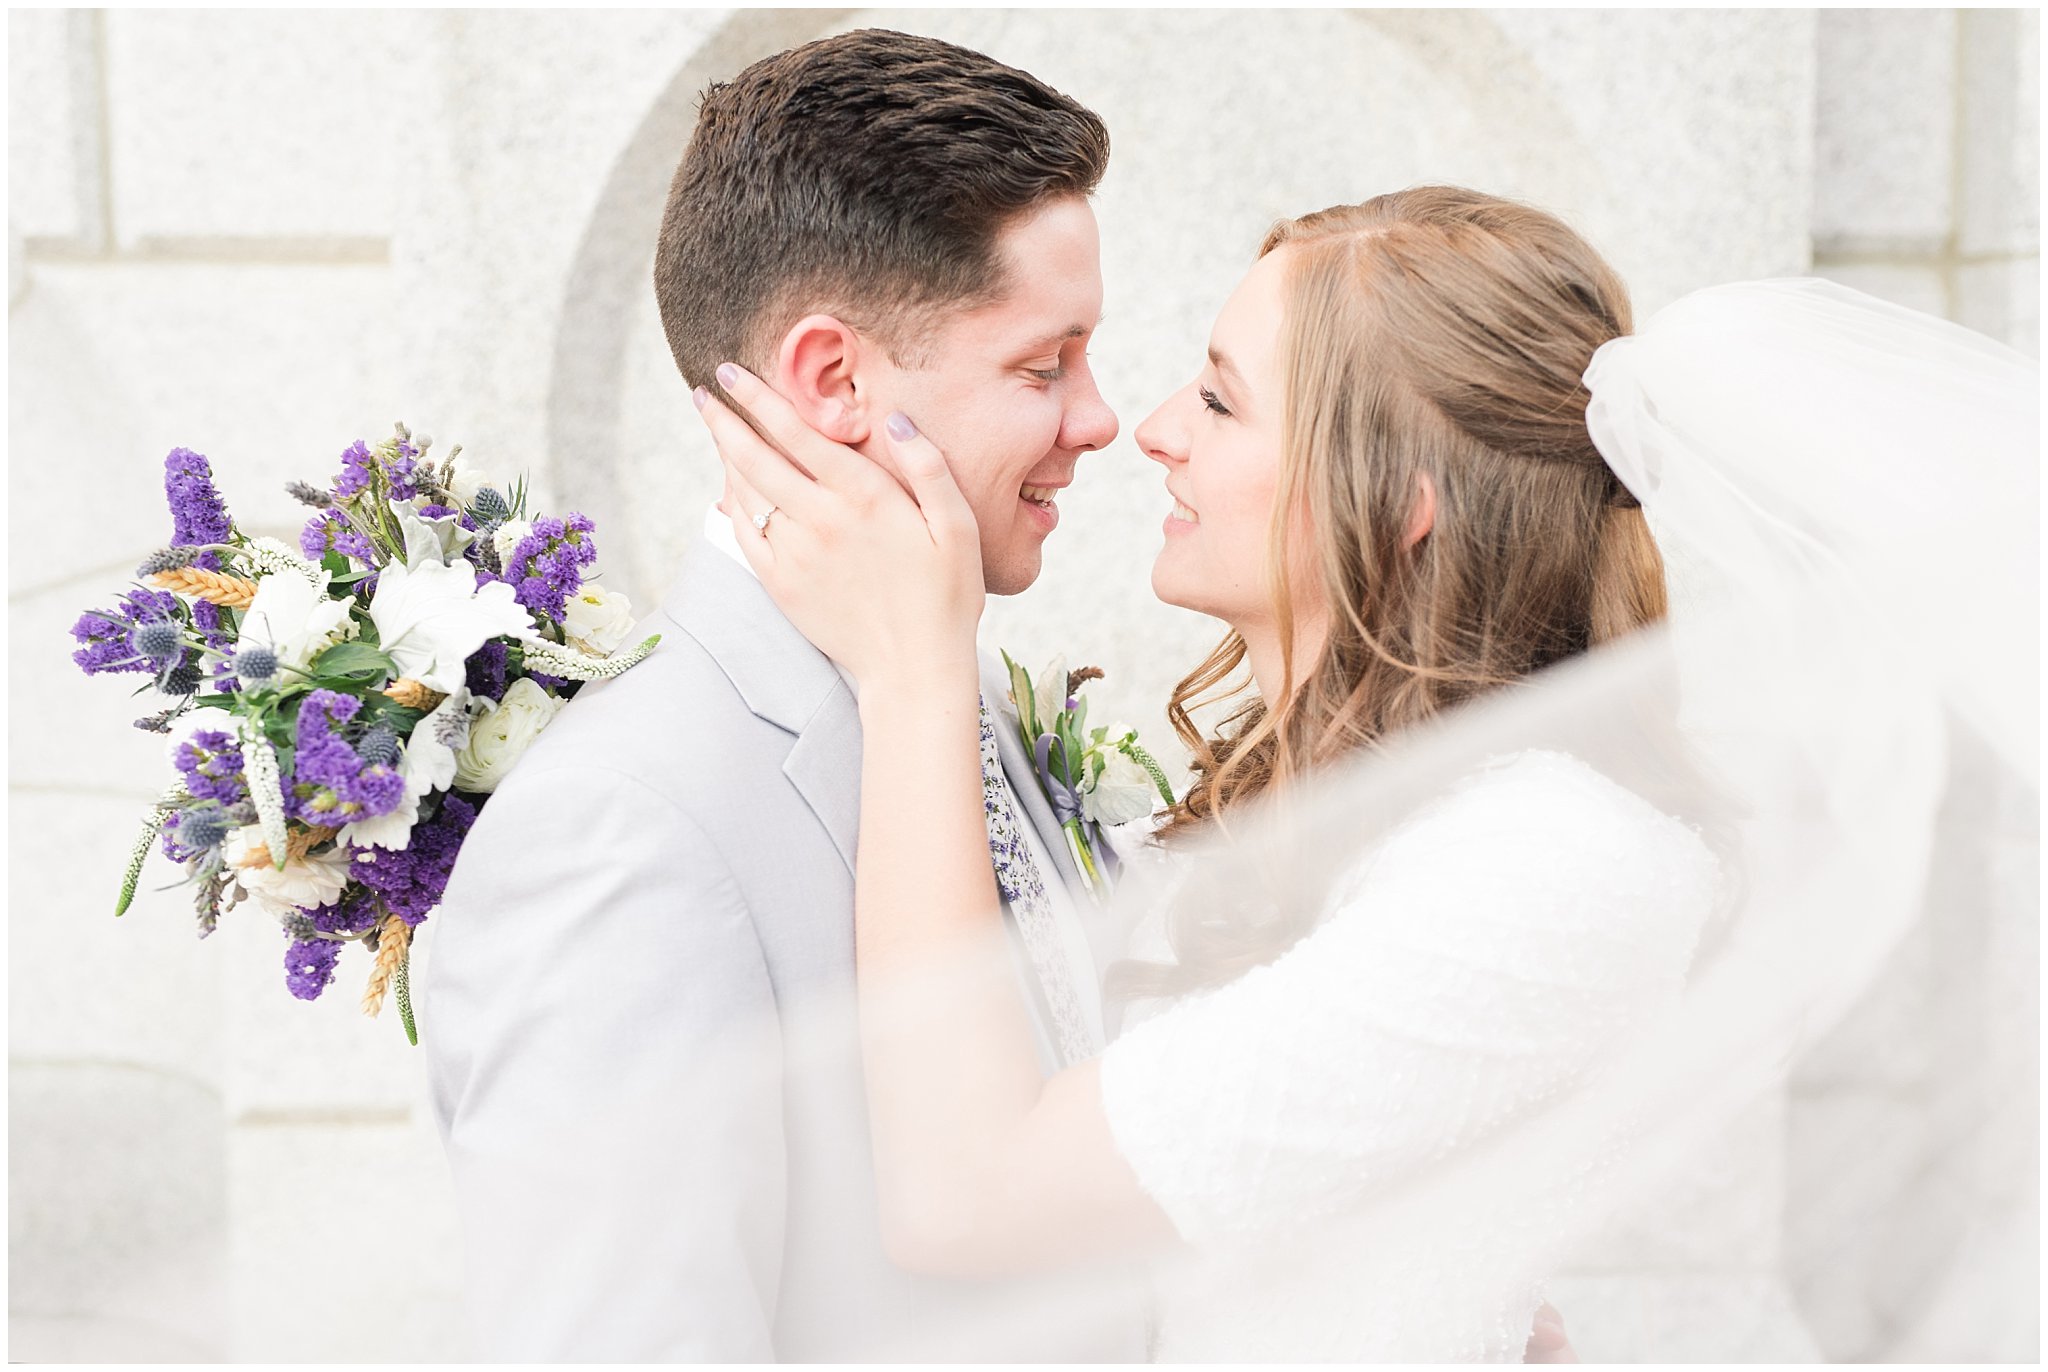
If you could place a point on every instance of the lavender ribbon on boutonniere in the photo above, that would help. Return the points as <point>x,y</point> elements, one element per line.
<point>1091,777</point>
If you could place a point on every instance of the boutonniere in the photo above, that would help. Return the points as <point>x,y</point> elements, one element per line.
<point>1094,778</point>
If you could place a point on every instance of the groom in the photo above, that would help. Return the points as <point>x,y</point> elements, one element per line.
<point>639,1010</point>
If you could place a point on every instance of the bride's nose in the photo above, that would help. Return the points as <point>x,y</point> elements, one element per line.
<point>1163,437</point>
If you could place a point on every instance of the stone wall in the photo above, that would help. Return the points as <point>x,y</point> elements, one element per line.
<point>265,234</point>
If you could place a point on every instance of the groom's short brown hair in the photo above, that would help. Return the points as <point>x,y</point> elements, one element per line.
<point>867,176</point>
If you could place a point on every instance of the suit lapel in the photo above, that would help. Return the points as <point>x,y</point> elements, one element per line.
<point>783,679</point>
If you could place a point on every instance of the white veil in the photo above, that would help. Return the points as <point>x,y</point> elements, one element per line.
<point>1830,1147</point>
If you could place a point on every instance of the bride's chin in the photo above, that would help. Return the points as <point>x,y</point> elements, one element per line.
<point>1164,590</point>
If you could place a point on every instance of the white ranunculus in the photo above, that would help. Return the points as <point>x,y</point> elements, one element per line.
<point>502,734</point>
<point>427,762</point>
<point>509,536</point>
<point>316,879</point>
<point>292,618</point>
<point>466,479</point>
<point>597,621</point>
<point>1123,792</point>
<point>430,618</point>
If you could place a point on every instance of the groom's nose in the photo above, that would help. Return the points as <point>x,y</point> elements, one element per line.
<point>1088,423</point>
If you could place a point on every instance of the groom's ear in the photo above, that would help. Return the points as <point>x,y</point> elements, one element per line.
<point>819,368</point>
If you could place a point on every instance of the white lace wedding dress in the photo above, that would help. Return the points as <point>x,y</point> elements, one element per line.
<point>1485,958</point>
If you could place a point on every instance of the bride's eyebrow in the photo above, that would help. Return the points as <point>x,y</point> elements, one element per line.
<point>1228,369</point>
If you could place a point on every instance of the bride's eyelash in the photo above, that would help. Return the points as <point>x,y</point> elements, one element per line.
<point>1209,399</point>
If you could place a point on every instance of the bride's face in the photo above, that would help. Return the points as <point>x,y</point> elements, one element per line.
<point>1218,438</point>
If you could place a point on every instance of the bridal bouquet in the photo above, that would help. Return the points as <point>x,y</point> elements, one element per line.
<point>340,711</point>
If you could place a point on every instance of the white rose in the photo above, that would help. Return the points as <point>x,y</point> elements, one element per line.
<point>509,536</point>
<point>315,879</point>
<point>1123,792</point>
<point>597,621</point>
<point>293,619</point>
<point>501,734</point>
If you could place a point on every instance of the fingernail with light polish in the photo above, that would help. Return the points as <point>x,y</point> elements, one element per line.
<point>700,395</point>
<point>899,426</point>
<point>728,375</point>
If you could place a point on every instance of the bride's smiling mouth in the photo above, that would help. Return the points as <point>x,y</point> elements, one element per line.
<point>1182,518</point>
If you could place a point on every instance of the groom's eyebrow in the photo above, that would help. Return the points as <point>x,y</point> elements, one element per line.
<point>1057,336</point>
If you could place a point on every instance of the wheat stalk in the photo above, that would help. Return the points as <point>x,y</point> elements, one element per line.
<point>414,695</point>
<point>300,844</point>
<point>392,941</point>
<point>235,592</point>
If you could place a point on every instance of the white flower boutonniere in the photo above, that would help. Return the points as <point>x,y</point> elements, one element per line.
<point>1094,778</point>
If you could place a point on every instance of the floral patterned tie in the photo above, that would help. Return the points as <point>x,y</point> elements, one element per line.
<point>1023,888</point>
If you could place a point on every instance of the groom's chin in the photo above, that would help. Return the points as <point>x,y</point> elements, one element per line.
<point>1013,573</point>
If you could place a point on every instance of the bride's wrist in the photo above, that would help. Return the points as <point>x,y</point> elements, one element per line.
<point>919,686</point>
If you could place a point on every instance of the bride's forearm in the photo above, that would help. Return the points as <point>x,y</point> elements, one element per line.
<point>946,1042</point>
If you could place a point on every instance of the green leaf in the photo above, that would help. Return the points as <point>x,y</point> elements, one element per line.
<point>379,708</point>
<point>1027,701</point>
<point>336,565</point>
<point>354,662</point>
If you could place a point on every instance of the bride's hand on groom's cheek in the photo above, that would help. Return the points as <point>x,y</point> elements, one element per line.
<point>884,582</point>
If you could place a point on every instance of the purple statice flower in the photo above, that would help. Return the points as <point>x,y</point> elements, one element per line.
<point>546,682</point>
<point>411,880</point>
<point>309,966</point>
<point>198,514</point>
<point>485,670</point>
<point>211,763</point>
<point>547,566</point>
<point>107,637</point>
<point>437,511</point>
<point>331,784</point>
<point>354,477</point>
<point>398,462</point>
<point>206,617</point>
<point>330,532</point>
<point>355,912</point>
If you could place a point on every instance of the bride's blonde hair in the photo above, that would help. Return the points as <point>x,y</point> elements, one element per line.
<point>1434,334</point>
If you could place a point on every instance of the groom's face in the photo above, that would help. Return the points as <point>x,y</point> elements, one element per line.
<point>1006,392</point>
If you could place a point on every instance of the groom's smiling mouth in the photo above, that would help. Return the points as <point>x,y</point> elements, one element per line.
<point>1039,501</point>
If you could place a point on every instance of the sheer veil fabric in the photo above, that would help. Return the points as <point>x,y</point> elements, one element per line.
<point>1842,708</point>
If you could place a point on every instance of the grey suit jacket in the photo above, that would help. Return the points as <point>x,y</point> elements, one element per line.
<point>638,1015</point>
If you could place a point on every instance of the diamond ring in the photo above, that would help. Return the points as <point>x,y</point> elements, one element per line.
<point>761,520</point>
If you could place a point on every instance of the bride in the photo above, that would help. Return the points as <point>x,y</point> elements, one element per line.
<point>1384,482</point>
